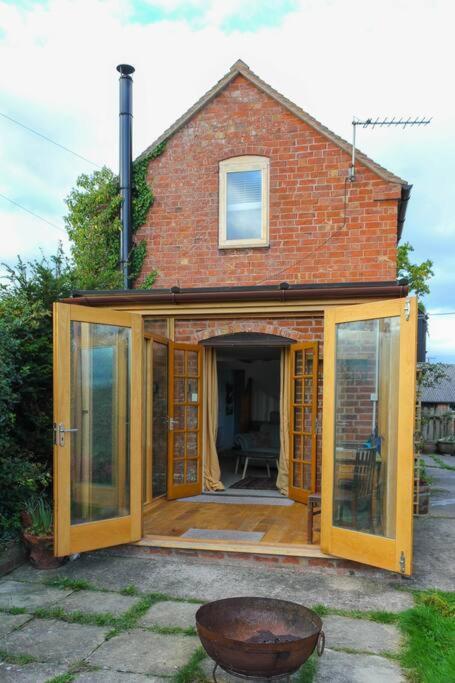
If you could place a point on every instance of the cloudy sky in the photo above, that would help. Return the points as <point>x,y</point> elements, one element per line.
<point>335,58</point>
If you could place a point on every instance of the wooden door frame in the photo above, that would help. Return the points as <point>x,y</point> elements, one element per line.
<point>299,494</point>
<point>193,488</point>
<point>392,554</point>
<point>104,533</point>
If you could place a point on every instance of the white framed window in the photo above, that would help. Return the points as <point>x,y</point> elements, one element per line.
<point>244,202</point>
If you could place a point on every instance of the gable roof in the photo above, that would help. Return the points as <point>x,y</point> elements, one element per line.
<point>242,69</point>
<point>444,391</point>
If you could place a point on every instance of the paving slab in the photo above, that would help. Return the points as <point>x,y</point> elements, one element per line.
<point>49,640</point>
<point>29,595</point>
<point>171,613</point>
<point>144,652</point>
<point>434,534</point>
<point>202,580</point>
<point>361,635</point>
<point>9,622</point>
<point>340,667</point>
<point>223,677</point>
<point>116,677</point>
<point>98,603</point>
<point>30,673</point>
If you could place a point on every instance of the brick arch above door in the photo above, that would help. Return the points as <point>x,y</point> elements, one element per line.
<point>246,327</point>
<point>297,329</point>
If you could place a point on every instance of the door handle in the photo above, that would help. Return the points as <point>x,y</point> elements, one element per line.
<point>172,422</point>
<point>59,433</point>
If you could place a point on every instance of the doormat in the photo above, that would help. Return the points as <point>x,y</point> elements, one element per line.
<point>256,483</point>
<point>237,500</point>
<point>224,535</point>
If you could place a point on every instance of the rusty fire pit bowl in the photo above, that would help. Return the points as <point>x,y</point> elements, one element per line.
<point>259,637</point>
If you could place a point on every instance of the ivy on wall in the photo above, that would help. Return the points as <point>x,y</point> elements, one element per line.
<point>94,227</point>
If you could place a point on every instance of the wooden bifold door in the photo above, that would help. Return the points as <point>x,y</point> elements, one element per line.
<point>97,428</point>
<point>303,420</point>
<point>185,420</point>
<point>368,431</point>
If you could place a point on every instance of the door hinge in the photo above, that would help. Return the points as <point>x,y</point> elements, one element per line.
<point>407,309</point>
<point>59,433</point>
<point>402,563</point>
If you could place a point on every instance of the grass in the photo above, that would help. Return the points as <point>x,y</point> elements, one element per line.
<point>173,630</point>
<point>13,610</point>
<point>9,658</point>
<point>62,678</point>
<point>440,462</point>
<point>378,616</point>
<point>105,619</point>
<point>191,672</point>
<point>429,629</point>
<point>74,669</point>
<point>118,623</point>
<point>131,591</point>
<point>308,670</point>
<point>71,584</point>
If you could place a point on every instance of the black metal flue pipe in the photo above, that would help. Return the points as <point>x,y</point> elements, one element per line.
<point>125,164</point>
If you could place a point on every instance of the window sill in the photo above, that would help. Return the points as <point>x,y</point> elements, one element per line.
<point>244,245</point>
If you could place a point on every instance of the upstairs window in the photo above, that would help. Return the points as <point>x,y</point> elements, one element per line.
<point>244,202</point>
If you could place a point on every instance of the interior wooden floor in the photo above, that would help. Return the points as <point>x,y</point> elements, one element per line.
<point>283,527</point>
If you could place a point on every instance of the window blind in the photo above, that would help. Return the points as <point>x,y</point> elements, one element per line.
<point>244,205</point>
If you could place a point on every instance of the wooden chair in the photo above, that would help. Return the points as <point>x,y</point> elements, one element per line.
<point>313,508</point>
<point>360,493</point>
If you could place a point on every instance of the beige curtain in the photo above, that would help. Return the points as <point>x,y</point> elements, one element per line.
<point>211,463</point>
<point>282,482</point>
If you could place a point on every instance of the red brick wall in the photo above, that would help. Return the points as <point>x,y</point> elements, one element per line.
<point>308,243</point>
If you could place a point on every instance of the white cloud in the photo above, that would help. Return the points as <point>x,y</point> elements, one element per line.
<point>26,236</point>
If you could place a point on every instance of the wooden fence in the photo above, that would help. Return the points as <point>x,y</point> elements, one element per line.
<point>436,427</point>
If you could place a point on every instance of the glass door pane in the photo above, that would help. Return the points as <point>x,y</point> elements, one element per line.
<point>160,419</point>
<point>366,425</point>
<point>100,414</point>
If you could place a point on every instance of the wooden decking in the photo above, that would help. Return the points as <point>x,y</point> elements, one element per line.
<point>284,528</point>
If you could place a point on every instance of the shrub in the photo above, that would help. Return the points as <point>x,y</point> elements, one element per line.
<point>26,381</point>
<point>26,355</point>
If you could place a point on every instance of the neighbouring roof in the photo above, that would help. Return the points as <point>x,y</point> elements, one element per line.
<point>444,392</point>
<point>242,69</point>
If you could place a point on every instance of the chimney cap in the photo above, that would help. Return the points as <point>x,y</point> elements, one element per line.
<point>126,69</point>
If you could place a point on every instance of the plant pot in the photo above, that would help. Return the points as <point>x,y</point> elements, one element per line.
<point>41,550</point>
<point>26,519</point>
<point>446,447</point>
<point>424,499</point>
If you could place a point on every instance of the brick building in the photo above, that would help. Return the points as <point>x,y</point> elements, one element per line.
<point>276,336</point>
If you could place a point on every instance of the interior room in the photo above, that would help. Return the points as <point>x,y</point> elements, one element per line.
<point>248,436</point>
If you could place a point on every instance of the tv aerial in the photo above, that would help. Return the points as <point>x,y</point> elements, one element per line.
<point>380,123</point>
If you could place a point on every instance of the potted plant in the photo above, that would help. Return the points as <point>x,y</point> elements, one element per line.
<point>39,536</point>
<point>447,445</point>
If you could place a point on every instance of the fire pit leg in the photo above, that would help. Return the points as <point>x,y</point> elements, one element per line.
<point>213,673</point>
